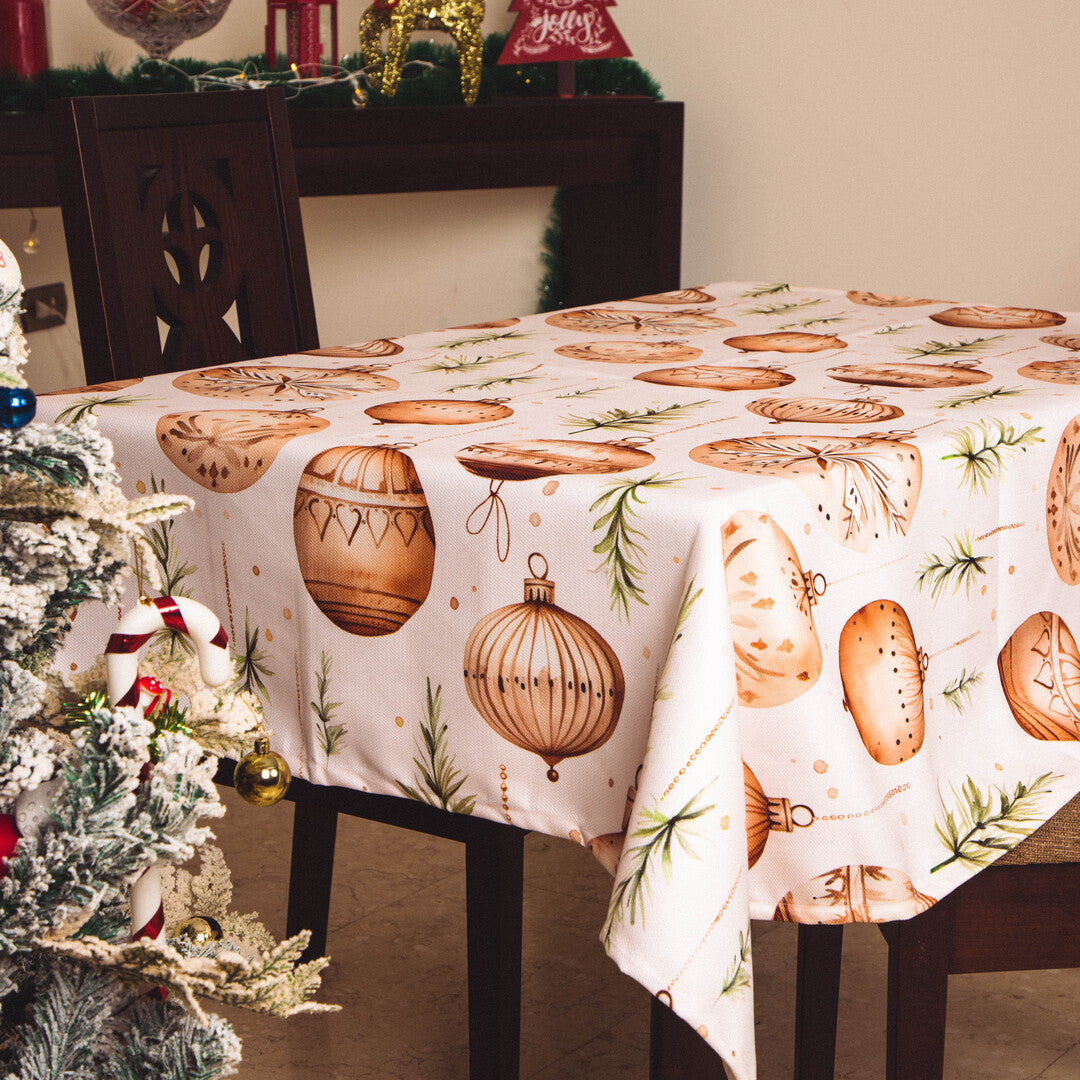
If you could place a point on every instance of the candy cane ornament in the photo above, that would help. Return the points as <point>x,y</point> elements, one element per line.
<point>125,687</point>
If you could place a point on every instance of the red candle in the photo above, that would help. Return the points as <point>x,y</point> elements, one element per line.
<point>24,49</point>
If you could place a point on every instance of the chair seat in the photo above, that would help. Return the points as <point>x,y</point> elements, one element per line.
<point>1057,840</point>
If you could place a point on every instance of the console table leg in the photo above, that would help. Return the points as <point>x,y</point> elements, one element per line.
<point>311,872</point>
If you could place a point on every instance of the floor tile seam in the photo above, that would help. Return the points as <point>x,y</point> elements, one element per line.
<point>1063,1054</point>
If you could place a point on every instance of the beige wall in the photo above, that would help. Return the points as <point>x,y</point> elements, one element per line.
<point>915,147</point>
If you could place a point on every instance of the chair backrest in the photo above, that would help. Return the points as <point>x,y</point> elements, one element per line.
<point>182,208</point>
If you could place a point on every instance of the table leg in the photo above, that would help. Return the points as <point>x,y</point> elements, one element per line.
<point>494,866</point>
<point>677,1051</point>
<point>311,872</point>
<point>817,1000</point>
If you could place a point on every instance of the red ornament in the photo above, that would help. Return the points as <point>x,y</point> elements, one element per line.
<point>561,30</point>
<point>302,37</point>
<point>9,837</point>
<point>24,49</point>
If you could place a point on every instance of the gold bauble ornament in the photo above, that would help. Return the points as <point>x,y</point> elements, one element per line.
<point>198,929</point>
<point>262,776</point>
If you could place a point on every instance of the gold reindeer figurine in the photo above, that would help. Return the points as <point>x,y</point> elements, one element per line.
<point>459,18</point>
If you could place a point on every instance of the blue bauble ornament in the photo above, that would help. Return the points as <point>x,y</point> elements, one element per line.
<point>17,406</point>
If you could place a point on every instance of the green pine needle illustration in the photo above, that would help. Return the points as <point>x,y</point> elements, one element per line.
<point>764,290</point>
<point>950,348</point>
<point>783,309</point>
<point>977,831</point>
<point>658,835</point>
<point>895,329</point>
<point>959,567</point>
<point>330,734</point>
<point>456,364</point>
<point>160,538</point>
<point>737,978</point>
<point>585,393</point>
<point>86,407</point>
<point>976,397</point>
<point>624,420</point>
<point>485,339</point>
<point>437,780</point>
<point>686,604</point>
<point>495,380</point>
<point>981,449</point>
<point>251,665</point>
<point>957,694</point>
<point>624,556</point>
<point>824,321</point>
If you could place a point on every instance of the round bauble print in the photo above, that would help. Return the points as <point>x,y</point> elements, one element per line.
<point>543,678</point>
<point>227,450</point>
<point>1063,341</point>
<point>364,537</point>
<point>1039,668</point>
<point>861,488</point>
<point>851,894</point>
<point>912,376</point>
<point>366,350</point>
<point>530,459</point>
<point>765,814</point>
<point>1063,372</point>
<point>714,377</point>
<point>278,383</point>
<point>790,341</point>
<point>96,388</point>
<point>818,410</point>
<point>439,411</point>
<point>771,600</point>
<point>873,299</point>
<point>631,352</point>
<point>642,323</point>
<point>678,296</point>
<point>493,324</point>
<point>1063,505</point>
<point>997,318</point>
<point>882,670</point>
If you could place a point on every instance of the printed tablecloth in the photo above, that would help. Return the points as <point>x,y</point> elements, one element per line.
<point>763,593</point>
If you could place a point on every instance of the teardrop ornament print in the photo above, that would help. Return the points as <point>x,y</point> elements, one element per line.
<point>1039,668</point>
<point>715,377</point>
<point>882,670</point>
<point>1063,505</point>
<point>980,317</point>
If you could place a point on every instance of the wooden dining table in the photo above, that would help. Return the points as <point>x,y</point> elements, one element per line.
<point>760,592</point>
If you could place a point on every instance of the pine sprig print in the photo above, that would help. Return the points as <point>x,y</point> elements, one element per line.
<point>895,329</point>
<point>783,309</point>
<point>977,397</point>
<point>252,663</point>
<point>437,780</point>
<point>624,555</point>
<point>764,290</point>
<point>495,380</point>
<point>658,834</point>
<point>981,449</point>
<point>981,827</point>
<point>626,420</point>
<point>950,348</point>
<point>957,694</point>
<point>585,393</point>
<point>961,566</point>
<point>87,406</point>
<point>330,734</point>
<point>689,598</point>
<point>737,978</point>
<point>457,364</point>
<point>826,320</point>
<point>485,339</point>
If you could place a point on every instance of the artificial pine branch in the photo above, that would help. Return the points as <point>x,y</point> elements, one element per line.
<point>330,734</point>
<point>625,420</point>
<point>981,449</point>
<point>959,567</point>
<point>159,536</point>
<point>438,781</point>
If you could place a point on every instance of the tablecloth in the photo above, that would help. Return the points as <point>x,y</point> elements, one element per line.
<point>765,593</point>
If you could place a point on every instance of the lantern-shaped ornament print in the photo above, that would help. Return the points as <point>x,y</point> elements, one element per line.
<point>765,815</point>
<point>542,678</point>
<point>1039,667</point>
<point>364,537</point>
<point>854,894</point>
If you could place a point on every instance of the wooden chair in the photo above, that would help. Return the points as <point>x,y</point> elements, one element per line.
<point>182,208</point>
<point>1016,915</point>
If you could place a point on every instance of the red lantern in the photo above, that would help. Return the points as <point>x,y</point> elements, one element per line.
<point>24,49</point>
<point>303,43</point>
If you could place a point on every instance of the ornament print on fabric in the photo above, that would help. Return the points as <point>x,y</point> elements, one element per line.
<point>439,411</point>
<point>1039,668</point>
<point>1065,372</point>
<point>765,815</point>
<point>998,318</point>
<point>273,382</point>
<point>1063,505</point>
<point>819,410</point>
<point>642,323</point>
<point>631,352</point>
<point>912,376</point>
<point>713,377</point>
<point>883,300</point>
<point>676,296</point>
<point>791,341</point>
<point>771,597</point>
<point>854,894</point>
<point>882,670</point>
<point>229,450</point>
<point>542,678</point>
<point>364,538</point>
<point>367,350</point>
<point>862,488</point>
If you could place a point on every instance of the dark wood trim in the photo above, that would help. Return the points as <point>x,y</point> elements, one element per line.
<point>620,160</point>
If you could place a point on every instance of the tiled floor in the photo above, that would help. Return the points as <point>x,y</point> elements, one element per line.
<point>398,970</point>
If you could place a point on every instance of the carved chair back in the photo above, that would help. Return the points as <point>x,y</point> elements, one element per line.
<point>182,216</point>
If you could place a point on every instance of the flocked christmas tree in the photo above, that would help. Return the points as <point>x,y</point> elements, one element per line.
<point>99,800</point>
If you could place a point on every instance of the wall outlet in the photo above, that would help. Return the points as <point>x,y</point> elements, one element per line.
<point>44,306</point>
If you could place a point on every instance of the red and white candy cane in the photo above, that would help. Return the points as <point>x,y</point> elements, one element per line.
<point>125,687</point>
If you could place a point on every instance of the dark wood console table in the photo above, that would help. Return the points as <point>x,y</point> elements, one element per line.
<point>618,160</point>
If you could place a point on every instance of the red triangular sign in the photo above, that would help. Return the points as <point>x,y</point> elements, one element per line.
<point>552,30</point>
